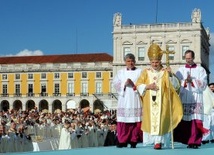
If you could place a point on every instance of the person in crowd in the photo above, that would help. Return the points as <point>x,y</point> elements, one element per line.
<point>193,80</point>
<point>162,107</point>
<point>20,129</point>
<point>65,137</point>
<point>111,137</point>
<point>129,103</point>
<point>3,139</point>
<point>211,87</point>
<point>13,134</point>
<point>208,102</point>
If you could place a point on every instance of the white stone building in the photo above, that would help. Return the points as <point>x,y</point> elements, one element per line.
<point>177,37</point>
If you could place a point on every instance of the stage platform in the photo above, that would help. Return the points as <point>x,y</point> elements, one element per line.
<point>179,149</point>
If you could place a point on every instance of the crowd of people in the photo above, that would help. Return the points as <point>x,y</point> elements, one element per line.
<point>72,129</point>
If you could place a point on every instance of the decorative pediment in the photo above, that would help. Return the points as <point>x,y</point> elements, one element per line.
<point>127,43</point>
<point>141,43</point>
<point>185,41</point>
<point>156,41</point>
<point>171,42</point>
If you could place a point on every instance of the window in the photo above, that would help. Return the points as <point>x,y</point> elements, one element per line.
<point>30,88</point>
<point>4,76</point>
<point>4,89</point>
<point>84,75</point>
<point>126,50</point>
<point>141,53</point>
<point>70,88</point>
<point>98,74</point>
<point>17,76</point>
<point>98,88</point>
<point>56,75</point>
<point>17,89</point>
<point>30,76</point>
<point>171,56</point>
<point>184,49</point>
<point>56,88</point>
<point>84,88</point>
<point>43,76</point>
<point>111,74</point>
<point>70,76</point>
<point>43,88</point>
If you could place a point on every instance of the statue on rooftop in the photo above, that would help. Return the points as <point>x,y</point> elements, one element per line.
<point>117,20</point>
<point>196,16</point>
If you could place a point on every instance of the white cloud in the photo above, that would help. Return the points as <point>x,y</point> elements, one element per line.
<point>27,52</point>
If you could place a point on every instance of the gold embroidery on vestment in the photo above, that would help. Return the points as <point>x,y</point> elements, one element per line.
<point>155,106</point>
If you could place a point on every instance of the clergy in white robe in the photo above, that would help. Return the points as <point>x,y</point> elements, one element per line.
<point>65,137</point>
<point>129,104</point>
<point>162,107</point>
<point>193,80</point>
<point>208,102</point>
<point>211,86</point>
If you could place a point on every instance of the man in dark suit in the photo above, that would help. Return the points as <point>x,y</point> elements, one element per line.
<point>111,137</point>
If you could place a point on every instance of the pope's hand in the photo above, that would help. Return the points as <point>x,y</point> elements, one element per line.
<point>152,86</point>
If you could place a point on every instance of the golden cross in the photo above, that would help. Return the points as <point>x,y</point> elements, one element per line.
<point>167,52</point>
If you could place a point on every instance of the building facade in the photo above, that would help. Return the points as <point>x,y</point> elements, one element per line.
<point>177,37</point>
<point>64,82</point>
<point>54,82</point>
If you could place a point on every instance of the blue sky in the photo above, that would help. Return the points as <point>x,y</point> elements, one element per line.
<point>30,27</point>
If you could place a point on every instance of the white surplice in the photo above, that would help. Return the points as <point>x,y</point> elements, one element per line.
<point>208,99</point>
<point>192,93</point>
<point>129,103</point>
<point>65,139</point>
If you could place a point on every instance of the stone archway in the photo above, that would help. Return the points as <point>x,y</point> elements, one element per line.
<point>43,105</point>
<point>71,104</point>
<point>57,104</point>
<point>5,106</point>
<point>98,106</point>
<point>84,103</point>
<point>30,105</point>
<point>17,105</point>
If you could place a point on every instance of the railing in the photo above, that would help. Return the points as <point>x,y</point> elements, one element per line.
<point>70,94</point>
<point>17,94</point>
<point>84,94</point>
<point>56,94</point>
<point>158,26</point>
<point>30,94</point>
<point>5,95</point>
<point>43,94</point>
